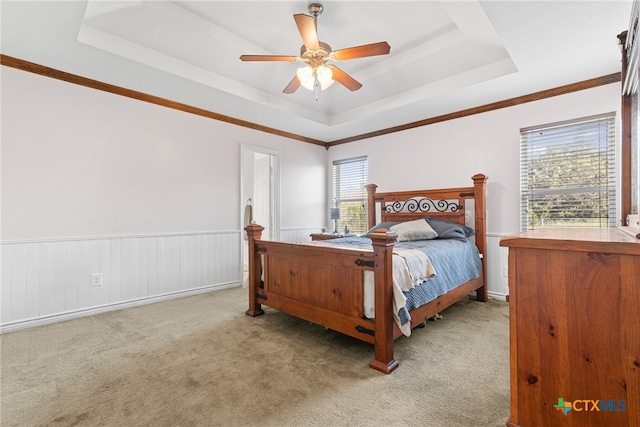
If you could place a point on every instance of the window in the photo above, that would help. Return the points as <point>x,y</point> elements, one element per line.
<point>349,179</point>
<point>567,174</point>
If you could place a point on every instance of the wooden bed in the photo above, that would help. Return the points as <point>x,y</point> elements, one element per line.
<point>324,285</point>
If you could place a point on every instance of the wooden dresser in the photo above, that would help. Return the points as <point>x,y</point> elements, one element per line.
<point>574,314</point>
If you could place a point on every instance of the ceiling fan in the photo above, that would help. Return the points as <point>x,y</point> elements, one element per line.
<point>316,54</point>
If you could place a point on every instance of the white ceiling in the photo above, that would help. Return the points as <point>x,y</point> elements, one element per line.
<point>445,55</point>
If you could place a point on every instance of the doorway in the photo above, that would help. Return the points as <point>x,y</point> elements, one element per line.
<point>259,198</point>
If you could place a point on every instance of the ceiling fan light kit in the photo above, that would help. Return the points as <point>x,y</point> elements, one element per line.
<point>315,53</point>
<point>311,78</point>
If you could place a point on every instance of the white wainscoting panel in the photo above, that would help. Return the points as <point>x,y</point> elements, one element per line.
<point>497,263</point>
<point>51,280</point>
<point>295,235</point>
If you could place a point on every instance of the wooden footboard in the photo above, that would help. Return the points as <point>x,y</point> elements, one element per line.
<point>324,285</point>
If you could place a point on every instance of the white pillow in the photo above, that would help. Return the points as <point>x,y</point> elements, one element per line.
<point>414,230</point>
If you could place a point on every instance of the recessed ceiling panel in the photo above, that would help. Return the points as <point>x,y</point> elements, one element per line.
<point>445,55</point>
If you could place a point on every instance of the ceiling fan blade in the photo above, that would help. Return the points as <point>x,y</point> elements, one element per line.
<point>268,58</point>
<point>293,85</point>
<point>345,79</point>
<point>373,49</point>
<point>307,27</point>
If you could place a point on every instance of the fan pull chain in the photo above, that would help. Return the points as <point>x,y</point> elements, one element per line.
<point>316,85</point>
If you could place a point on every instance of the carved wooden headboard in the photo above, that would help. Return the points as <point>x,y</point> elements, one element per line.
<point>444,203</point>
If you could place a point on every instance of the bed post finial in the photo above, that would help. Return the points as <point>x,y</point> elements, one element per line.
<point>371,205</point>
<point>479,178</point>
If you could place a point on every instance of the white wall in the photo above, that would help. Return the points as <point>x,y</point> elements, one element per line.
<point>447,154</point>
<point>146,195</point>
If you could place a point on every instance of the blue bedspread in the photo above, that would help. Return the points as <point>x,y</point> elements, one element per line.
<point>456,261</point>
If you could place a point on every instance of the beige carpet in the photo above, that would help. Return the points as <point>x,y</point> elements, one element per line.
<point>199,361</point>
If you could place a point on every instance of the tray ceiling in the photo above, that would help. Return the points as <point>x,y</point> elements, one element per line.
<point>445,55</point>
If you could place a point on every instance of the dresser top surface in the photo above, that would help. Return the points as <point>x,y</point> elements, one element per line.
<point>610,240</point>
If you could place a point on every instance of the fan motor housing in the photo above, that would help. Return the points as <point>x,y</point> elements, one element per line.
<point>319,55</point>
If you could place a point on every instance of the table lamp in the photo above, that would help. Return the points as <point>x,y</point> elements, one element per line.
<point>334,214</point>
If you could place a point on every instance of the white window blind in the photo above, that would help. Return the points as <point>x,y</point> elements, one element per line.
<point>568,174</point>
<point>349,179</point>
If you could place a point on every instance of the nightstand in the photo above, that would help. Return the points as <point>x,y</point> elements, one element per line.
<point>321,236</point>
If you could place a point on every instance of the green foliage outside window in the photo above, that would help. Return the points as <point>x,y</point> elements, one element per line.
<point>568,174</point>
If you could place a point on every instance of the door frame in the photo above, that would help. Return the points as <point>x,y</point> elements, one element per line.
<point>246,174</point>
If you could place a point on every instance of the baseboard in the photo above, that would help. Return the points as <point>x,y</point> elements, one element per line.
<point>75,314</point>
<point>497,296</point>
<point>494,295</point>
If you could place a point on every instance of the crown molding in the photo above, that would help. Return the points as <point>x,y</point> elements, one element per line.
<point>117,90</point>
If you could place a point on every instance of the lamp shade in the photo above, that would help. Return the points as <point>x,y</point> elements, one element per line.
<point>321,75</point>
<point>334,213</point>
<point>306,77</point>
<point>325,77</point>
